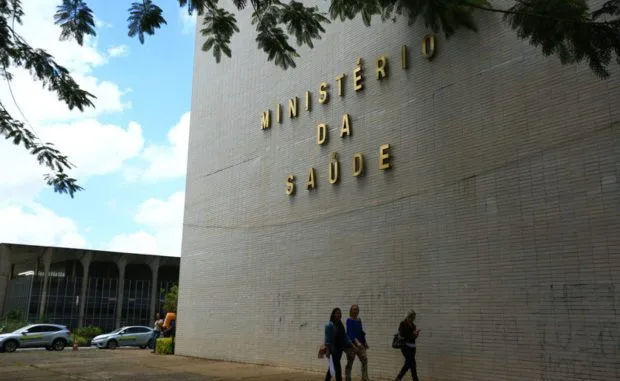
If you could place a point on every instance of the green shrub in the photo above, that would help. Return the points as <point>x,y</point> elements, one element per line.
<point>82,341</point>
<point>88,332</point>
<point>15,315</point>
<point>164,346</point>
<point>12,325</point>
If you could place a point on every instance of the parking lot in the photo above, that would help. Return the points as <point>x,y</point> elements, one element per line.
<point>134,365</point>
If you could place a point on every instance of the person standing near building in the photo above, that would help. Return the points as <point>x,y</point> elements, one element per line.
<point>336,341</point>
<point>409,333</point>
<point>156,330</point>
<point>356,334</point>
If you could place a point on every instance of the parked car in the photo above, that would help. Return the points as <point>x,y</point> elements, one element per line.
<point>131,336</point>
<point>48,336</point>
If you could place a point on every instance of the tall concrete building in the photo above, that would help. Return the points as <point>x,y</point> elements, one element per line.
<point>494,212</point>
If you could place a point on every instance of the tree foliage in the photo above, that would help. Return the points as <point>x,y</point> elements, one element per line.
<point>568,29</point>
<point>171,299</point>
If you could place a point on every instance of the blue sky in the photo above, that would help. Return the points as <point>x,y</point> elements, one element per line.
<point>130,150</point>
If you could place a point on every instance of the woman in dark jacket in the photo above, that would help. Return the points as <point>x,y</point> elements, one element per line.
<point>409,332</point>
<point>336,341</point>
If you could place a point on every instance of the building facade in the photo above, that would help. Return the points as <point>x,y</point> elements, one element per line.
<point>488,202</point>
<point>78,288</point>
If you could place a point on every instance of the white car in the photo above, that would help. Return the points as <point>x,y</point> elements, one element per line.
<point>48,336</point>
<point>131,336</point>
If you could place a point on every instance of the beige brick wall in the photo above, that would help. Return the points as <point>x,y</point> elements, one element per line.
<point>498,223</point>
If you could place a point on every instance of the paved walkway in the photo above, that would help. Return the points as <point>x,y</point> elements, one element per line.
<point>134,365</point>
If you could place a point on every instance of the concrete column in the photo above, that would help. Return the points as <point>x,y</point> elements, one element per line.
<point>47,263</point>
<point>5,275</point>
<point>85,260</point>
<point>121,263</point>
<point>154,265</point>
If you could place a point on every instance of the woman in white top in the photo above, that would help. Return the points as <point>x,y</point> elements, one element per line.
<point>156,330</point>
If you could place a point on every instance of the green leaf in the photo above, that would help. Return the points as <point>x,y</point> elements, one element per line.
<point>75,19</point>
<point>219,27</point>
<point>567,29</point>
<point>143,18</point>
<point>305,23</point>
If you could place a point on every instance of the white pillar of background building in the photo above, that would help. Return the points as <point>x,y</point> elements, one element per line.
<point>154,265</point>
<point>121,263</point>
<point>47,263</point>
<point>5,274</point>
<point>85,261</point>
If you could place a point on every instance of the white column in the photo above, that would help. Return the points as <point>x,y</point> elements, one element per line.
<point>154,265</point>
<point>85,260</point>
<point>5,274</point>
<point>121,263</point>
<point>47,263</point>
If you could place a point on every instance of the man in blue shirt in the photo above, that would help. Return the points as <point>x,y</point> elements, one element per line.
<point>356,333</point>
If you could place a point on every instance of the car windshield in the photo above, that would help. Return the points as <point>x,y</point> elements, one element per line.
<point>22,329</point>
<point>115,331</point>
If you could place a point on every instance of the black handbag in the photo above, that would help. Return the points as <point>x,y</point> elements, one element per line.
<point>398,342</point>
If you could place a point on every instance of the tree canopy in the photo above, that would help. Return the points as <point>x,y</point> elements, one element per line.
<point>569,29</point>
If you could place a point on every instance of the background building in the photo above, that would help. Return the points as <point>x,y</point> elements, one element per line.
<point>78,287</point>
<point>498,222</point>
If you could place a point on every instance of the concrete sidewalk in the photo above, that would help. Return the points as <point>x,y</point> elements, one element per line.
<point>134,365</point>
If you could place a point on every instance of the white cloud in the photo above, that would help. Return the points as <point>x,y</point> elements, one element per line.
<point>92,146</point>
<point>169,161</point>
<point>41,106</point>
<point>188,22</point>
<point>164,221</point>
<point>118,51</point>
<point>95,149</point>
<point>100,24</point>
<point>36,225</point>
<point>140,243</point>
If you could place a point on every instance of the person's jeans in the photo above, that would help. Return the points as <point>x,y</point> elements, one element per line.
<point>409,355</point>
<point>361,353</point>
<point>337,355</point>
<point>154,340</point>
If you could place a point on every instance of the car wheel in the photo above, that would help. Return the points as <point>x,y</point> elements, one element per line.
<point>112,344</point>
<point>59,345</point>
<point>10,346</point>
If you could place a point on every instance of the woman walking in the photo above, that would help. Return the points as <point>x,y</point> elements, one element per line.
<point>356,334</point>
<point>156,331</point>
<point>336,341</point>
<point>409,332</point>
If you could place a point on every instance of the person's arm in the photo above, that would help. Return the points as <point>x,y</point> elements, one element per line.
<point>363,335</point>
<point>328,337</point>
<point>401,329</point>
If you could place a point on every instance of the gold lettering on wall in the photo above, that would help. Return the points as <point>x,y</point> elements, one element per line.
<point>334,169</point>
<point>339,79</point>
<point>323,94</point>
<point>382,66</point>
<point>428,47</point>
<point>311,184</point>
<point>292,107</point>
<point>265,120</point>
<point>382,71</point>
<point>358,164</point>
<point>308,101</point>
<point>384,157</point>
<point>290,185</point>
<point>358,79</point>
<point>321,134</point>
<point>345,128</point>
